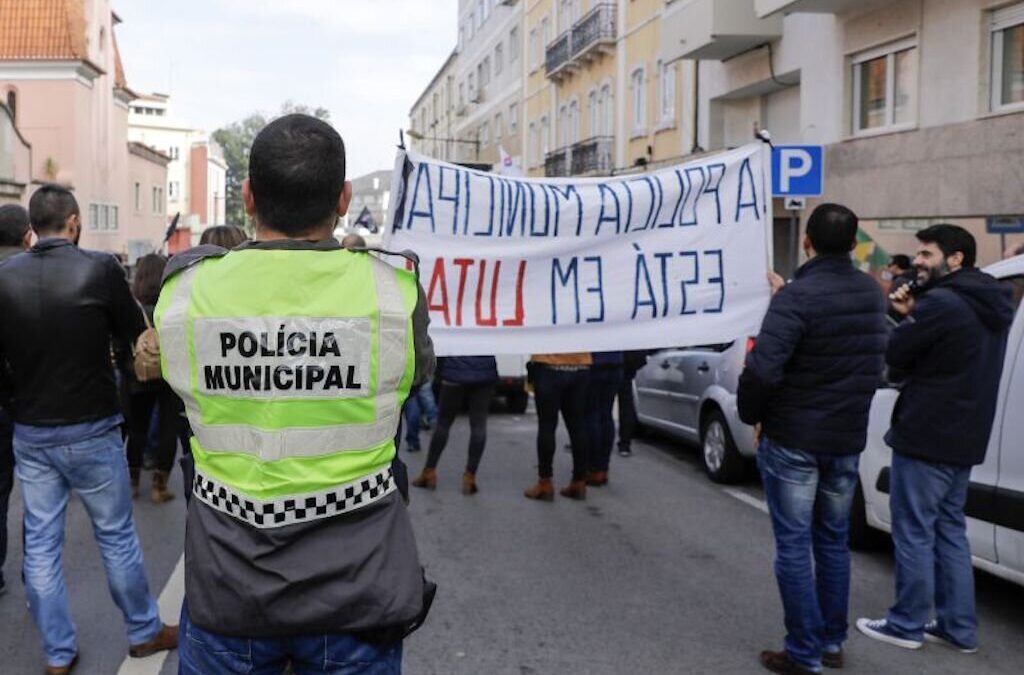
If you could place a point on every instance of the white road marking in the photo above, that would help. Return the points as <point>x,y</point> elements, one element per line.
<point>749,500</point>
<point>170,611</point>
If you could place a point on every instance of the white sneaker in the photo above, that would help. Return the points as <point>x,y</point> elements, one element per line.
<point>934,635</point>
<point>878,629</point>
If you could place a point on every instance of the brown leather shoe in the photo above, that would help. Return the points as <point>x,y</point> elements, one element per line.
<point>160,493</point>
<point>832,659</point>
<point>577,489</point>
<point>469,484</point>
<point>62,670</point>
<point>597,478</point>
<point>779,662</point>
<point>427,479</point>
<point>544,491</point>
<point>166,639</point>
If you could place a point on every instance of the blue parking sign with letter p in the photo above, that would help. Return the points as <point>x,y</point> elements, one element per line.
<point>798,170</point>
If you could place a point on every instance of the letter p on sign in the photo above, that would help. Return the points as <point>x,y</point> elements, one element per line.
<point>797,170</point>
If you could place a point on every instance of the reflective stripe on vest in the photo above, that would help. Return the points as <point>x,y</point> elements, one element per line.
<point>272,447</point>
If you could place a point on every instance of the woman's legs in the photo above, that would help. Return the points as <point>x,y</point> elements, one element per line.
<point>452,397</point>
<point>479,405</point>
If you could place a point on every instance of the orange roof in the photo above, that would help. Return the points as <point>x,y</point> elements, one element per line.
<point>42,29</point>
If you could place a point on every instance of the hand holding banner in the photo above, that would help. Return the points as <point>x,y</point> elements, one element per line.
<point>515,265</point>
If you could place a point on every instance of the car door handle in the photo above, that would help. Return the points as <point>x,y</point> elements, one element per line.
<point>703,368</point>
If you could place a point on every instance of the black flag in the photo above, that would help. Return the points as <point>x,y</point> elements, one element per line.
<point>366,220</point>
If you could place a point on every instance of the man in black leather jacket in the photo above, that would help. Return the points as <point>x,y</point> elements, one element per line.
<point>61,306</point>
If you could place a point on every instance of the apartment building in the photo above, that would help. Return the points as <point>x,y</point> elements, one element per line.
<point>600,99</point>
<point>918,102</point>
<point>196,173</point>
<point>473,107</point>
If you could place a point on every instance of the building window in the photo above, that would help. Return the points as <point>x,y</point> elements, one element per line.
<point>173,152</point>
<point>462,93</point>
<point>637,84</point>
<point>534,47</point>
<point>667,93</point>
<point>12,104</point>
<point>462,38</point>
<point>513,118</point>
<point>545,136</point>
<point>594,113</point>
<point>484,135</point>
<point>498,130</point>
<point>1008,57</point>
<point>94,216</point>
<point>470,27</point>
<point>574,123</point>
<point>137,201</point>
<point>436,99</point>
<point>499,58</point>
<point>885,88</point>
<point>113,219</point>
<point>513,45</point>
<point>545,32</point>
<point>158,200</point>
<point>533,144</point>
<point>483,8</point>
<point>607,106</point>
<point>173,190</point>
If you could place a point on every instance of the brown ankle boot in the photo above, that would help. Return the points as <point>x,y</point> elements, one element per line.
<point>544,491</point>
<point>577,489</point>
<point>469,484</point>
<point>160,493</point>
<point>597,478</point>
<point>134,475</point>
<point>166,639</point>
<point>427,479</point>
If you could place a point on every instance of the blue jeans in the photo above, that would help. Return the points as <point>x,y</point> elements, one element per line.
<point>201,652</point>
<point>89,460</point>
<point>420,404</point>
<point>6,482</point>
<point>809,497</point>
<point>933,556</point>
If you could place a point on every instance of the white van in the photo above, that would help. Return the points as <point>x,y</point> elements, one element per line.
<point>995,503</point>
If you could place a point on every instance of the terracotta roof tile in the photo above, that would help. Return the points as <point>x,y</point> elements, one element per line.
<point>42,29</point>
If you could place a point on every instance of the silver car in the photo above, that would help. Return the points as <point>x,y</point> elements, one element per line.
<point>690,393</point>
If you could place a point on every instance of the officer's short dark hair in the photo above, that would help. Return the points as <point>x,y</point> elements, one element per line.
<point>950,239</point>
<point>900,260</point>
<point>832,229</point>
<point>296,173</point>
<point>50,207</point>
<point>13,224</point>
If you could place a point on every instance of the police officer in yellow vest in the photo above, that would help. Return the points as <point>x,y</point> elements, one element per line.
<point>293,357</point>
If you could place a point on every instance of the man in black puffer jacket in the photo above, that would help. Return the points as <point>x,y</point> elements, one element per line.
<point>951,348</point>
<point>809,382</point>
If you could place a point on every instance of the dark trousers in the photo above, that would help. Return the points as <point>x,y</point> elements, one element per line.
<point>627,411</point>
<point>562,391</point>
<point>453,397</point>
<point>604,386</point>
<point>140,413</point>
<point>6,480</point>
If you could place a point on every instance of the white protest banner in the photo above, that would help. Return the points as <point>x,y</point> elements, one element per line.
<point>514,265</point>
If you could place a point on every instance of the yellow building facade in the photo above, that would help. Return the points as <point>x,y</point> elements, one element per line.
<point>599,100</point>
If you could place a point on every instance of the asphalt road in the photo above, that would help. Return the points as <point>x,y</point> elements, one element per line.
<point>659,572</point>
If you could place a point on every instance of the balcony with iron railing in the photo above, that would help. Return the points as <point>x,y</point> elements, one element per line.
<point>595,33</point>
<point>558,54</point>
<point>558,163</point>
<point>592,156</point>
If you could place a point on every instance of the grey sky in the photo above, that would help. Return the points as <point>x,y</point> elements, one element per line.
<point>364,60</point>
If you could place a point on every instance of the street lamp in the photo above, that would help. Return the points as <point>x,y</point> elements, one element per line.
<point>417,136</point>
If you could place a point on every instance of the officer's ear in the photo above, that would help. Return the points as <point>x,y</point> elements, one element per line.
<point>247,198</point>
<point>345,199</point>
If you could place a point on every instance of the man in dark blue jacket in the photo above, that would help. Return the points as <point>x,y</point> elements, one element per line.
<point>809,382</point>
<point>951,349</point>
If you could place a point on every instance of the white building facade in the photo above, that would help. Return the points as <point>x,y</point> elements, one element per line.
<point>197,172</point>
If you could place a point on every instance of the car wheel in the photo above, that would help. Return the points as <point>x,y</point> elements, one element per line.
<point>517,402</point>
<point>722,461</point>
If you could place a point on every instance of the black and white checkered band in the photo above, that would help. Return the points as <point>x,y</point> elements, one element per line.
<point>298,509</point>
